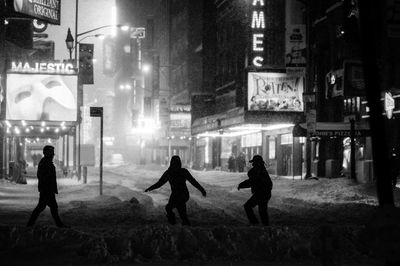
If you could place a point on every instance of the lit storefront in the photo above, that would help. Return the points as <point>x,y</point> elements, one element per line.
<point>40,106</point>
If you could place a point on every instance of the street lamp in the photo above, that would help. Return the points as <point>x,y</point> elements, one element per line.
<point>69,41</point>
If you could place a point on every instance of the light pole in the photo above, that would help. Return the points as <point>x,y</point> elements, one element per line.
<point>69,41</point>
<point>73,45</point>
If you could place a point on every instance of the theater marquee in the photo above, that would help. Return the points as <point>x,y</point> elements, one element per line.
<point>275,92</point>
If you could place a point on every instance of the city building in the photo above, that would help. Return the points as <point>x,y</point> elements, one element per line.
<point>259,79</point>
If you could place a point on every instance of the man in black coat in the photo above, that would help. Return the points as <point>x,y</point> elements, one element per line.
<point>177,176</point>
<point>47,186</point>
<point>261,185</point>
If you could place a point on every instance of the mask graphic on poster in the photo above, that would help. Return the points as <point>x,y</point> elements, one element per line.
<point>41,97</point>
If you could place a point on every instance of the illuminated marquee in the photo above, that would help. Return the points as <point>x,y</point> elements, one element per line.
<point>257,25</point>
<point>43,67</point>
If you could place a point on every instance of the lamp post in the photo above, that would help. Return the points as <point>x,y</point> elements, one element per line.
<point>69,41</point>
<point>72,44</point>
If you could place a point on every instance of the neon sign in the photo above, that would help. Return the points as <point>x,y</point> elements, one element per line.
<point>257,25</point>
<point>43,67</point>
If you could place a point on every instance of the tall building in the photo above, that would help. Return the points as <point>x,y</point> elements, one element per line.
<point>178,42</point>
<point>259,80</point>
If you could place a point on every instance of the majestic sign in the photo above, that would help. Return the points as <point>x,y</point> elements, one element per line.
<point>275,92</point>
<point>47,97</point>
<point>43,67</point>
<point>46,10</point>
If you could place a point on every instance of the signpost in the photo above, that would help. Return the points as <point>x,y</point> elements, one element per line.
<point>98,112</point>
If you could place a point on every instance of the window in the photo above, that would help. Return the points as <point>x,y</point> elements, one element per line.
<point>272,148</point>
<point>286,139</point>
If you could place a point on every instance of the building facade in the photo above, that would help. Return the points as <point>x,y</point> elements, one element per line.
<point>258,86</point>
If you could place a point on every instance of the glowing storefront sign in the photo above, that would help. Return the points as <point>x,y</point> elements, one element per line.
<point>257,24</point>
<point>43,97</point>
<point>43,67</point>
<point>275,92</point>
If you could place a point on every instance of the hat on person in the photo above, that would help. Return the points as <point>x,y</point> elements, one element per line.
<point>256,158</point>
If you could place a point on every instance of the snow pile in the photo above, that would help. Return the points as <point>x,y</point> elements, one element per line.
<point>191,243</point>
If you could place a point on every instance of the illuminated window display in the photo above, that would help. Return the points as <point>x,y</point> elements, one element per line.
<point>41,97</point>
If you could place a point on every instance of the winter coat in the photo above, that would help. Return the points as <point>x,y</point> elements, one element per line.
<point>259,181</point>
<point>46,174</point>
<point>177,180</point>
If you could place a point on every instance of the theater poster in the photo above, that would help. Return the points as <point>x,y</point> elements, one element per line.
<point>279,92</point>
<point>45,97</point>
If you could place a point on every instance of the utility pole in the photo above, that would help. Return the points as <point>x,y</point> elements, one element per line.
<point>373,36</point>
<point>2,78</point>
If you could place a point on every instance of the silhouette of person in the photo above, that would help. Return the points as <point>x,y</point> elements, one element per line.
<point>394,163</point>
<point>47,187</point>
<point>177,176</point>
<point>232,163</point>
<point>241,162</point>
<point>261,185</point>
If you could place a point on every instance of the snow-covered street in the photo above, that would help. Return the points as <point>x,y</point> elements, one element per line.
<point>125,206</point>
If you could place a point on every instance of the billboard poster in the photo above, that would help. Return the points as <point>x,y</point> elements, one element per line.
<point>46,10</point>
<point>46,97</point>
<point>275,92</point>
<point>296,46</point>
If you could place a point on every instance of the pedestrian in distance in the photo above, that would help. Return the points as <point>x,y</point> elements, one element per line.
<point>261,185</point>
<point>47,187</point>
<point>232,163</point>
<point>177,177</point>
<point>241,162</point>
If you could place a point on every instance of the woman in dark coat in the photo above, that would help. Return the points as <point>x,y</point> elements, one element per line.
<point>177,176</point>
<point>261,185</point>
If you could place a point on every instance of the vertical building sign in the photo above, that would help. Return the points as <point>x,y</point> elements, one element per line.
<point>267,19</point>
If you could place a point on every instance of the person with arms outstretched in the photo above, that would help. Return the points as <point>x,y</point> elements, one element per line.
<point>261,185</point>
<point>177,177</point>
<point>47,187</point>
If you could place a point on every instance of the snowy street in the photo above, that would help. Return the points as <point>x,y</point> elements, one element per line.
<point>124,207</point>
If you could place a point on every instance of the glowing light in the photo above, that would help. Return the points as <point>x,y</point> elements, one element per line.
<point>47,128</point>
<point>258,20</point>
<point>43,124</point>
<point>257,61</point>
<point>255,2</point>
<point>125,27</point>
<point>207,158</point>
<point>23,123</point>
<point>56,130</point>
<point>27,130</point>
<point>42,130</point>
<point>17,131</point>
<point>8,124</point>
<point>228,135</point>
<point>146,68</point>
<point>261,127</point>
<point>257,41</point>
<point>62,123</point>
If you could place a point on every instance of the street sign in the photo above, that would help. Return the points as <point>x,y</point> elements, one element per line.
<point>96,111</point>
<point>138,33</point>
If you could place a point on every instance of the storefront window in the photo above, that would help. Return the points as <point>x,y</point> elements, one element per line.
<point>271,148</point>
<point>286,139</point>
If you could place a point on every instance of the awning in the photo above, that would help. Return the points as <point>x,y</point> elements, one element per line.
<point>332,129</point>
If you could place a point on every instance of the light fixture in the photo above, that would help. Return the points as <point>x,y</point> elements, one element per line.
<point>69,41</point>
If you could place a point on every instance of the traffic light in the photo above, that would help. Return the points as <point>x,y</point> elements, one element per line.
<point>86,63</point>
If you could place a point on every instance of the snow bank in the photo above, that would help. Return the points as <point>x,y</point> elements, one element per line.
<point>194,243</point>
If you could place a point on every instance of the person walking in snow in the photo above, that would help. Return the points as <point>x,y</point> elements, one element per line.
<point>47,186</point>
<point>261,185</point>
<point>177,177</point>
